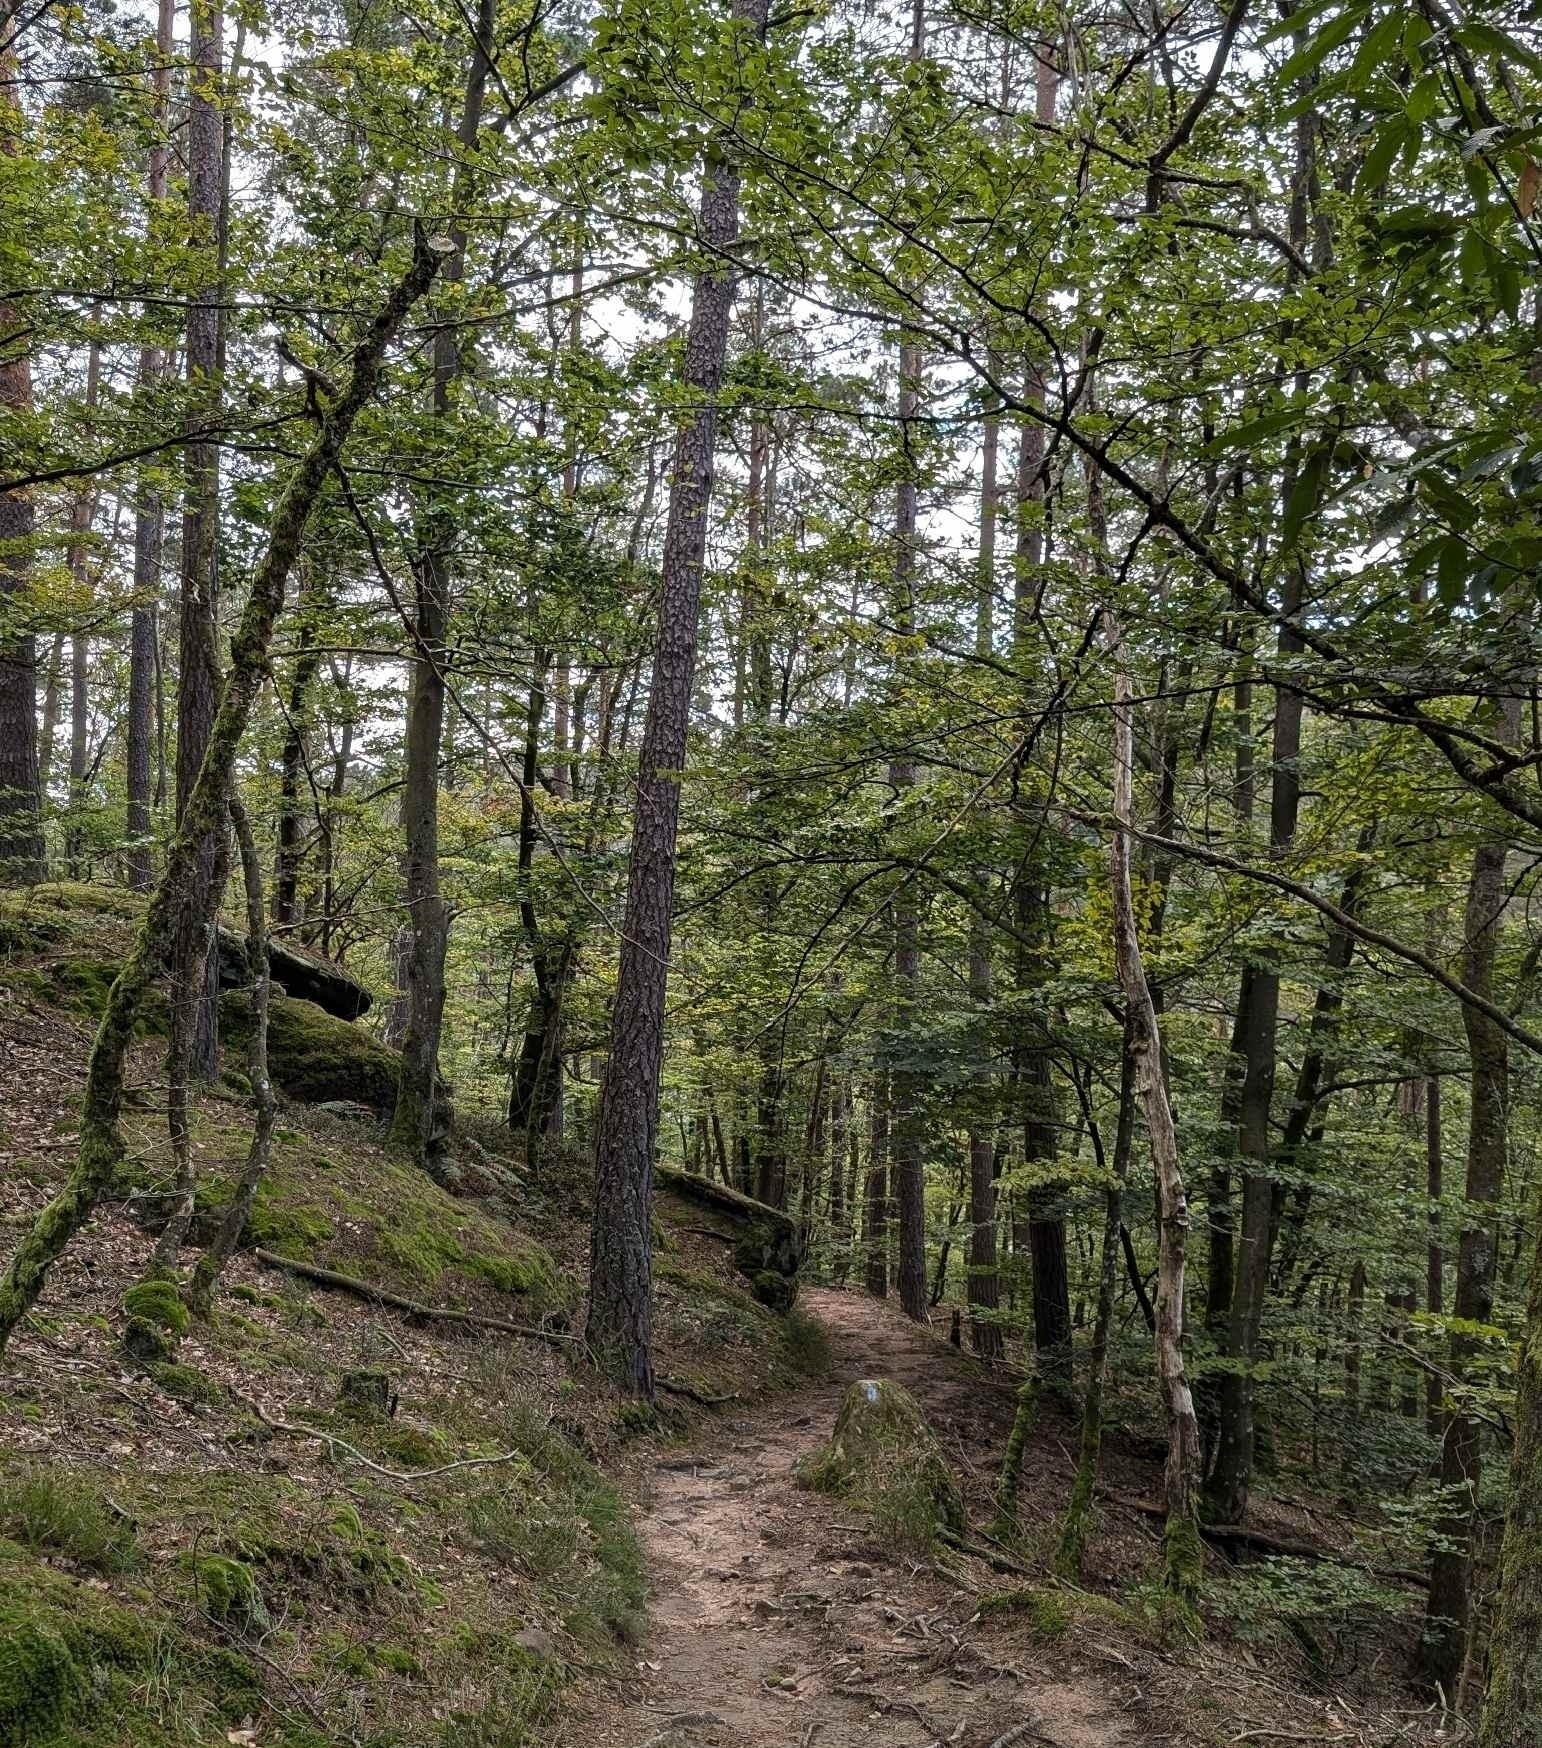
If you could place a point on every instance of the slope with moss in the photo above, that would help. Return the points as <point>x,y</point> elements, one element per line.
<point>214,1534</point>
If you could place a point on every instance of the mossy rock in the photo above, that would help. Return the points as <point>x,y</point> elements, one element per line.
<point>367,1393</point>
<point>776,1292</point>
<point>885,1458</point>
<point>314,1057</point>
<point>229,1592</point>
<point>156,1319</point>
<point>187,1383</point>
<point>767,1246</point>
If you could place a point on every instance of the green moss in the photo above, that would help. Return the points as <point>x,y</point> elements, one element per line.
<point>230,1594</point>
<point>636,1418</point>
<point>885,1458</point>
<point>282,1218</point>
<point>187,1383</point>
<point>1047,1612</point>
<point>430,1236</point>
<point>411,1447</point>
<point>1183,1568</point>
<point>315,1057</point>
<point>156,1319</point>
<point>60,1644</point>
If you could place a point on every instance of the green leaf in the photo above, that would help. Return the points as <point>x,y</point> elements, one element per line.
<point>1312,54</point>
<point>1451,570</point>
<point>1489,38</point>
<point>1254,430</point>
<point>1305,495</point>
<point>1386,143</point>
<point>1298,20</point>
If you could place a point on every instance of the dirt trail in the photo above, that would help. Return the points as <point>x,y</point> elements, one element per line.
<point>778,1624</point>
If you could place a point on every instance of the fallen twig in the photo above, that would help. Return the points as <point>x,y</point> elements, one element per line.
<point>413,1307</point>
<point>685,1721</point>
<point>405,1479</point>
<point>692,1394</point>
<point>1029,1732</point>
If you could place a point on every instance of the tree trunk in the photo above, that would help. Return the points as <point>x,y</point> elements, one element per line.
<point>619,1329</point>
<point>1182,1555</point>
<point>875,1201</point>
<point>149,524</point>
<point>193,1041</point>
<point>200,1291</point>
<point>418,1124</point>
<point>22,855</point>
<point>101,1142</point>
<point>1445,1635</point>
<point>1512,1710</point>
<point>194,1044</point>
<point>1073,1533</point>
<point>292,761</point>
<point>82,513</point>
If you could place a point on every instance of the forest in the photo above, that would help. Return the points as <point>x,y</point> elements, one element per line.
<point>903,633</point>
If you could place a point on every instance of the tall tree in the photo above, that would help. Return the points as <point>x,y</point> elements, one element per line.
<point>417,1124</point>
<point>22,854</point>
<point>620,1323</point>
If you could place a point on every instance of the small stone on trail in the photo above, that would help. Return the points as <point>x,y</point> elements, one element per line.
<point>537,1641</point>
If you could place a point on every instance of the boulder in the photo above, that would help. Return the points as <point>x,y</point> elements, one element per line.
<point>767,1249</point>
<point>885,1458</point>
<point>315,1057</point>
<point>298,972</point>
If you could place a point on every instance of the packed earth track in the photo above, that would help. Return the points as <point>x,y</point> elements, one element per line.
<point>777,1623</point>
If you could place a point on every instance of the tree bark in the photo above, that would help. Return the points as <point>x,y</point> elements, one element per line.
<point>418,1123</point>
<point>101,1141</point>
<point>1512,1709</point>
<point>23,859</point>
<point>200,1290</point>
<point>619,1329</point>
<point>194,1043</point>
<point>149,524</point>
<point>1073,1533</point>
<point>1182,1554</point>
<point>875,1201</point>
<point>1443,1647</point>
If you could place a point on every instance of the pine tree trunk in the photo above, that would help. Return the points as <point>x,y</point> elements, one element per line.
<point>22,855</point>
<point>149,524</point>
<point>619,1329</point>
<point>194,1047</point>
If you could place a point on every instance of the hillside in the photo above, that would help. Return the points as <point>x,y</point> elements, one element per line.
<point>326,1520</point>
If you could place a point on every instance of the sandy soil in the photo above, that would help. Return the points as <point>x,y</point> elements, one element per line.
<point>777,1623</point>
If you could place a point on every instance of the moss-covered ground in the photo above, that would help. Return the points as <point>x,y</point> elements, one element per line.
<point>174,1569</point>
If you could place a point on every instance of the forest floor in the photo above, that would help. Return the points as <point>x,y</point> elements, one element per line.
<point>499,1599</point>
<point>777,1622</point>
